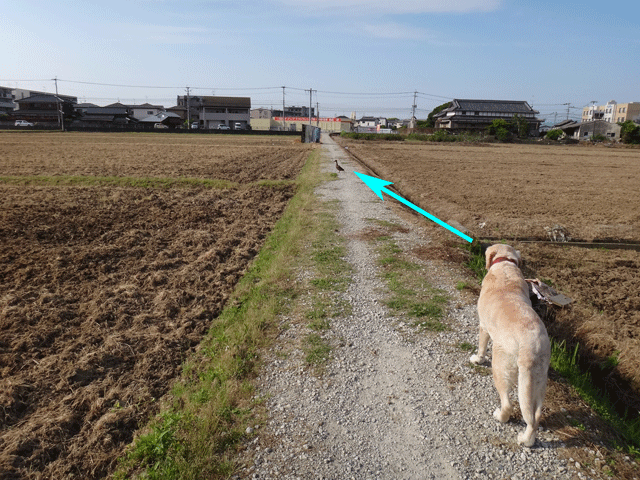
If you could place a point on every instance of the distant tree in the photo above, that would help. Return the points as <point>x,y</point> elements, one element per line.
<point>630,132</point>
<point>554,134</point>
<point>497,124</point>
<point>422,123</point>
<point>431,122</point>
<point>520,126</point>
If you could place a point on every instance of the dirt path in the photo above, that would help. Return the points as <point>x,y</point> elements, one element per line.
<point>392,403</point>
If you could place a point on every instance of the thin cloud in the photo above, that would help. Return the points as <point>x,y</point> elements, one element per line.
<point>378,7</point>
<point>393,31</point>
<point>166,34</point>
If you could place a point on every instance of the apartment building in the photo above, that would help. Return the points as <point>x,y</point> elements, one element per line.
<point>612,112</point>
<point>212,112</point>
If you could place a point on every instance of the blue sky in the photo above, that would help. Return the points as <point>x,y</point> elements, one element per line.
<point>362,56</point>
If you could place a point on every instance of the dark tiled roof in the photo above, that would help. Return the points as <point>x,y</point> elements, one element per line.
<point>117,104</point>
<point>145,105</point>
<point>45,98</point>
<point>495,106</point>
<point>506,106</point>
<point>229,102</point>
<point>106,111</point>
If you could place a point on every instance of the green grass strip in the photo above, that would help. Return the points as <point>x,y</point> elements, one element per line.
<point>565,361</point>
<point>205,416</point>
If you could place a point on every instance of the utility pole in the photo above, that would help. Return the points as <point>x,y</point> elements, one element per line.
<point>310,102</point>
<point>413,123</point>
<point>60,116</point>
<point>284,125</point>
<point>414,106</point>
<point>188,110</point>
<point>593,111</point>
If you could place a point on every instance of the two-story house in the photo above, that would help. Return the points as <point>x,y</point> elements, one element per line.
<point>44,109</point>
<point>477,115</point>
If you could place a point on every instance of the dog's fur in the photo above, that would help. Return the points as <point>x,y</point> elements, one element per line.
<point>520,341</point>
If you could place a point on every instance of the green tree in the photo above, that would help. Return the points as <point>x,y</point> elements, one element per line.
<point>431,122</point>
<point>630,132</point>
<point>520,126</point>
<point>497,124</point>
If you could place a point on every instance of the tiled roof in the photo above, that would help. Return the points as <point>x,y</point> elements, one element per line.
<point>233,102</point>
<point>45,98</point>
<point>106,111</point>
<point>496,106</point>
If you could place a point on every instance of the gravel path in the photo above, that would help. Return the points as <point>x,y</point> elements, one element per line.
<point>392,403</point>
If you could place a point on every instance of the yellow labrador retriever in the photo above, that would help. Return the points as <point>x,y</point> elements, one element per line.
<point>520,341</point>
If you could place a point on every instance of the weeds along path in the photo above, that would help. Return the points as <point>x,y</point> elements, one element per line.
<point>356,389</point>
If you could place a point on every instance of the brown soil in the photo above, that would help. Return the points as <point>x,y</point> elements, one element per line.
<point>507,191</point>
<point>514,191</point>
<point>105,290</point>
<point>226,157</point>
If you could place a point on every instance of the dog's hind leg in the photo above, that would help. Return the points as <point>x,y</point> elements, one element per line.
<point>532,384</point>
<point>504,376</point>
<point>483,340</point>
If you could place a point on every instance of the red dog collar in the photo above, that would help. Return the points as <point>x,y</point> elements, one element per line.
<point>503,259</point>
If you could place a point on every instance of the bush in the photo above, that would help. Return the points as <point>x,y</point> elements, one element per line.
<point>554,134</point>
<point>497,124</point>
<point>630,132</point>
<point>372,136</point>
<point>503,134</point>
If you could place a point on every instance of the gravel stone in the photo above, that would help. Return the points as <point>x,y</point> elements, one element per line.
<point>384,408</point>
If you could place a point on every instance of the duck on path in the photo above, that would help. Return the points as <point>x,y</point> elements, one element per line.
<point>338,167</point>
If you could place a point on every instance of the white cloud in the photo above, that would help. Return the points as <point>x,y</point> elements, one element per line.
<point>377,7</point>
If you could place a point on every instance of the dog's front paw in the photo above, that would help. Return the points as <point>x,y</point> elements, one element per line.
<point>477,359</point>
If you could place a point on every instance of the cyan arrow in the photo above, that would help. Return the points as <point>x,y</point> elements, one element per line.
<point>378,186</point>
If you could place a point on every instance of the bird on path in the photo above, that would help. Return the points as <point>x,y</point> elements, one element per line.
<point>338,167</point>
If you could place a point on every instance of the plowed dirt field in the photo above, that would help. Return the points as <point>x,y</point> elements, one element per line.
<point>105,289</point>
<point>512,192</point>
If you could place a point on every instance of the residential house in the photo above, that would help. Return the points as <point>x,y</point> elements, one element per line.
<point>168,119</point>
<point>586,130</point>
<point>94,116</point>
<point>145,110</point>
<point>20,93</point>
<point>6,100</point>
<point>44,108</point>
<point>477,115</point>
<point>180,111</point>
<point>210,111</point>
<point>368,122</point>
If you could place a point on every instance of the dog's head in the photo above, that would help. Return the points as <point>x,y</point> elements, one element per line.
<point>500,250</point>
